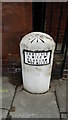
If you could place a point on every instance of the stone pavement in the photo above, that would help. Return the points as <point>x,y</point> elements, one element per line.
<point>17,103</point>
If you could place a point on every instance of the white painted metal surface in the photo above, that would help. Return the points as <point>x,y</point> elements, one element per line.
<point>37,50</point>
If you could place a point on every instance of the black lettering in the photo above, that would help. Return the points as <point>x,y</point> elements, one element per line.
<point>32,56</point>
<point>44,56</point>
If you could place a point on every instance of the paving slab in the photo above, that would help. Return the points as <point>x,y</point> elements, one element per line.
<point>0,114</point>
<point>3,113</point>
<point>64,116</point>
<point>61,93</point>
<point>8,91</point>
<point>35,105</point>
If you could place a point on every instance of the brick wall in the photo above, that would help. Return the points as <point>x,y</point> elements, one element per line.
<point>17,21</point>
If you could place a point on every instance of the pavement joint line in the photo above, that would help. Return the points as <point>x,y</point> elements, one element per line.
<point>4,108</point>
<point>63,112</point>
<point>20,90</point>
<point>57,103</point>
<point>8,115</point>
